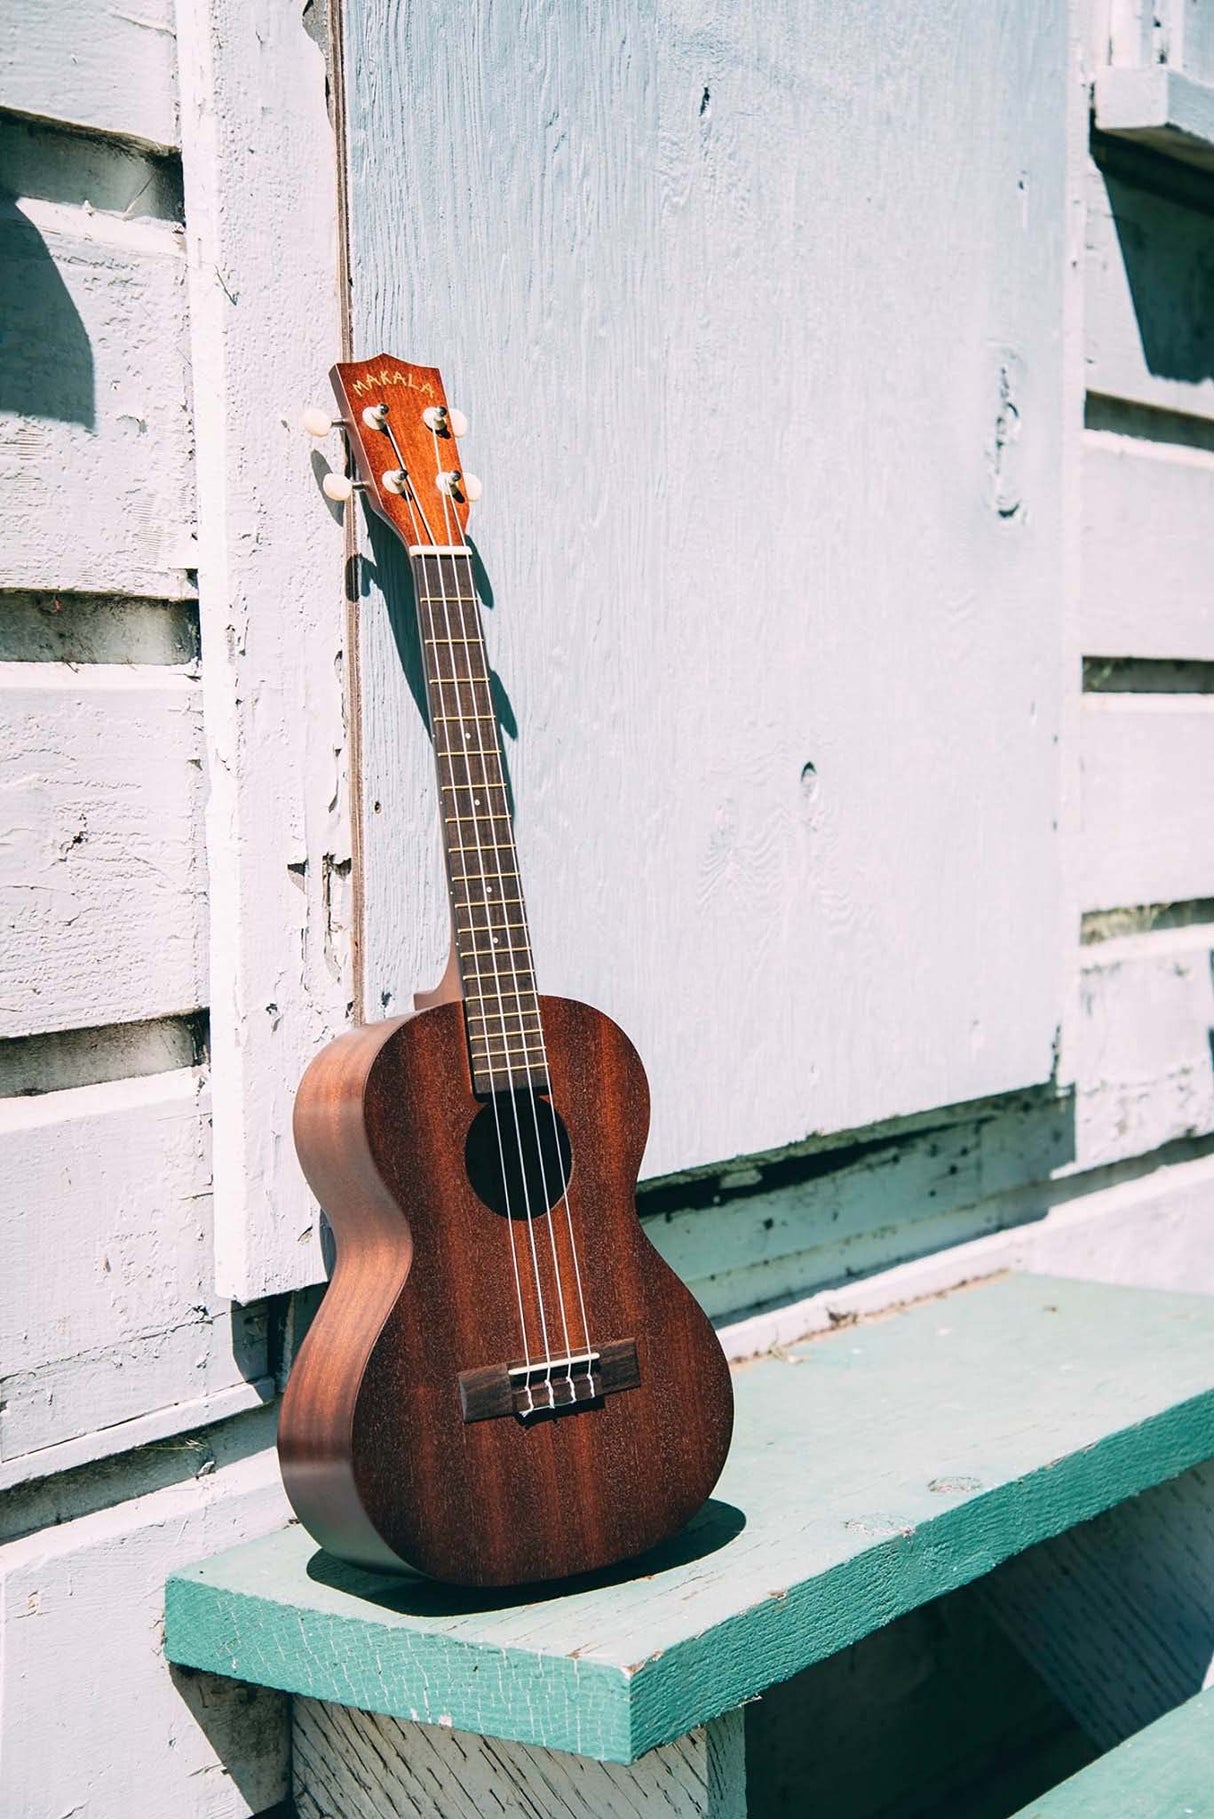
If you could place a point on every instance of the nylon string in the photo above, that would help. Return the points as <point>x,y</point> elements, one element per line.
<point>483,755</point>
<point>415,507</point>
<point>563,1195</point>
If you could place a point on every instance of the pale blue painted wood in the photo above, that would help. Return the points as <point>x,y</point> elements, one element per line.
<point>756,314</point>
<point>873,1469</point>
<point>1165,1772</point>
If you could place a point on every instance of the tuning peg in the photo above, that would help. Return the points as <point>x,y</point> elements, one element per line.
<point>376,416</point>
<point>318,423</point>
<point>457,485</point>
<point>394,481</point>
<point>340,488</point>
<point>441,420</point>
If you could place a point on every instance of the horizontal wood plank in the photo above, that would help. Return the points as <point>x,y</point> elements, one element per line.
<point>102,877</point>
<point>873,1470</point>
<point>1143,1061</point>
<point>1149,1232</point>
<point>1147,338</point>
<point>108,1313</point>
<point>95,438</point>
<point>1147,800</point>
<point>1148,549</point>
<point>1161,108</point>
<point>92,1720</point>
<point>860,1209</point>
<point>96,64</point>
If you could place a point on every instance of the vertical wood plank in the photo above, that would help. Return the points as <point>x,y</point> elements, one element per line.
<point>260,186</point>
<point>760,343</point>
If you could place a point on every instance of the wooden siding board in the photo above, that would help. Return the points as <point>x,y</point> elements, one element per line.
<point>102,877</point>
<point>105,1252</point>
<point>1147,806</point>
<point>95,64</point>
<point>770,552</point>
<point>968,1455</point>
<point>265,329</point>
<point>1145,1067</point>
<point>1148,549</point>
<point>95,443</point>
<point>363,1766</point>
<point>1151,1232</point>
<point>92,1721</point>
<point>1159,108</point>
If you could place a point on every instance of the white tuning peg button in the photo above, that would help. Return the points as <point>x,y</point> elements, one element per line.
<point>338,487</point>
<point>376,416</point>
<point>444,422</point>
<point>316,421</point>
<point>470,487</point>
<point>394,480</point>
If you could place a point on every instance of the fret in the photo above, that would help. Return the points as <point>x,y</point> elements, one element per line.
<point>507,1051</point>
<point>501,1008</point>
<point>506,1034</point>
<point>485,902</point>
<point>487,927</point>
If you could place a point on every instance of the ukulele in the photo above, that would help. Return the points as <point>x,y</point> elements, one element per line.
<point>505,1383</point>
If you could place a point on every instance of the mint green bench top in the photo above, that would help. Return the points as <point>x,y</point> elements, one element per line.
<point>875,1468</point>
<point>1165,1772</point>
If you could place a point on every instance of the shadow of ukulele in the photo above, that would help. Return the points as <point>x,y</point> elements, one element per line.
<point>716,1525</point>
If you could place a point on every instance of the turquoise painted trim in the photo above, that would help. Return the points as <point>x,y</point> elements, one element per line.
<point>876,1468</point>
<point>1165,1772</point>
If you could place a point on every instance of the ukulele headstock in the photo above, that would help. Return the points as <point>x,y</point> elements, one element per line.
<point>405,441</point>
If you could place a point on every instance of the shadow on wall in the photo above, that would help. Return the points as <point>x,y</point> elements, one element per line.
<point>392,575</point>
<point>46,362</point>
<point>1165,231</point>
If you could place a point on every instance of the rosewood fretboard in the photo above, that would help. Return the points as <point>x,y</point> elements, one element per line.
<point>489,919</point>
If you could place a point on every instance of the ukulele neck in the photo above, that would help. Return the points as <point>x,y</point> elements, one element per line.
<point>488,916</point>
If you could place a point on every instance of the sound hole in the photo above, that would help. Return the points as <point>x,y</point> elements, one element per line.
<point>517,1155</point>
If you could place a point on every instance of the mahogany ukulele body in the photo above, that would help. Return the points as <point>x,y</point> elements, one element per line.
<point>400,1438</point>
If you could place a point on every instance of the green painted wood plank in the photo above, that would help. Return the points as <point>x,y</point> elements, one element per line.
<point>1165,1772</point>
<point>872,1470</point>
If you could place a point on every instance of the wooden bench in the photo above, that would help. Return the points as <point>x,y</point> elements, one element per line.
<point>873,1470</point>
<point>1165,1772</point>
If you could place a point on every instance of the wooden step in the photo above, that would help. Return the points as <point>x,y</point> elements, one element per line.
<point>1165,1772</point>
<point>872,1470</point>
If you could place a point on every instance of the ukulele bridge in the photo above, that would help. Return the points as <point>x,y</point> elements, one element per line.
<point>551,1387</point>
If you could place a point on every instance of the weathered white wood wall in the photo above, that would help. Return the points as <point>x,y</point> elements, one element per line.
<point>174,870</point>
<point>775,337</point>
<point>761,343</point>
